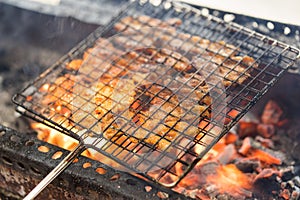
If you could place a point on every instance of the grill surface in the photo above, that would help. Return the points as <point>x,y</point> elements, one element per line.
<point>273,58</point>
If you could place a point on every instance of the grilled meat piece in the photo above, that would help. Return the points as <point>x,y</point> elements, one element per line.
<point>154,100</point>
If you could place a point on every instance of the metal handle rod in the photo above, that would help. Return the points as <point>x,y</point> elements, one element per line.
<point>55,172</point>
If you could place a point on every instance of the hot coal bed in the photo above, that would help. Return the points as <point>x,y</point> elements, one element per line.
<point>30,42</point>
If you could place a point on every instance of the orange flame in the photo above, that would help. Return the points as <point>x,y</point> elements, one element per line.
<point>231,180</point>
<point>56,138</point>
<point>265,157</point>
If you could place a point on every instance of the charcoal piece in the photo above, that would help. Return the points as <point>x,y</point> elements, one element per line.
<point>265,142</point>
<point>266,130</point>
<point>285,194</point>
<point>272,113</point>
<point>199,174</point>
<point>228,154</point>
<point>266,186</point>
<point>247,166</point>
<point>287,174</point>
<point>296,180</point>
<point>279,155</point>
<point>231,138</point>
<point>247,145</point>
<point>246,129</point>
<point>210,190</point>
<point>209,168</point>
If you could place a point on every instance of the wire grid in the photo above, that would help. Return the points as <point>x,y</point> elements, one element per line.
<point>64,98</point>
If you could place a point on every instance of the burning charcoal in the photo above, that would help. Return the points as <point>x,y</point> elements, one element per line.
<point>231,138</point>
<point>211,190</point>
<point>267,143</point>
<point>287,174</point>
<point>265,184</point>
<point>197,176</point>
<point>285,194</point>
<point>255,150</point>
<point>202,194</point>
<point>266,130</point>
<point>247,129</point>
<point>209,168</point>
<point>265,157</point>
<point>266,173</point>
<point>247,165</point>
<point>272,113</point>
<point>279,155</point>
<point>246,146</point>
<point>230,180</point>
<point>228,154</point>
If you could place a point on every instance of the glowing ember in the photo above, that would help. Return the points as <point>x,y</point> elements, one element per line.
<point>229,179</point>
<point>265,157</point>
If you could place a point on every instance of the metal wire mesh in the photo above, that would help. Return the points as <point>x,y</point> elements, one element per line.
<point>156,94</point>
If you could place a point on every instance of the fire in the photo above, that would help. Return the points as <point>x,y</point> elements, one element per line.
<point>56,138</point>
<point>229,179</point>
<point>225,176</point>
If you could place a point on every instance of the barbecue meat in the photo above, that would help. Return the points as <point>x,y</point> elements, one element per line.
<point>149,82</point>
<point>146,103</point>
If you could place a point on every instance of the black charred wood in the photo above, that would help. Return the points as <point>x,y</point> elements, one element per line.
<point>266,188</point>
<point>287,174</point>
<point>247,166</point>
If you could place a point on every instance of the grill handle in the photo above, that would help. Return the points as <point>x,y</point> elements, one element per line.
<point>56,171</point>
